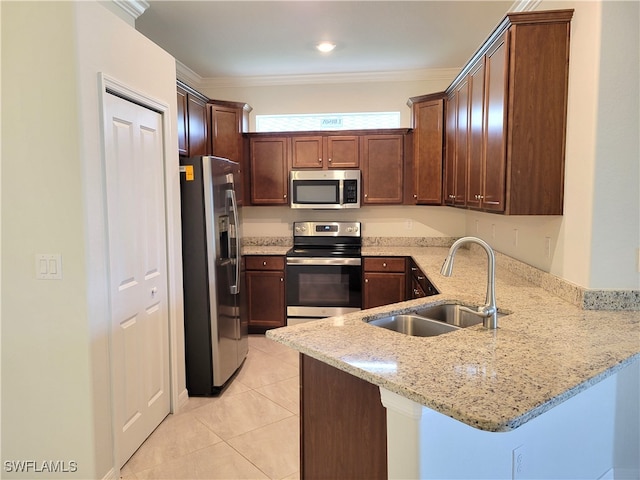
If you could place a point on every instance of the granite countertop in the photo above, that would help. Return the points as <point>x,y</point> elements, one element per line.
<point>543,352</point>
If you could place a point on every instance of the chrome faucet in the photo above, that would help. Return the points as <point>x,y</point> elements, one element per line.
<point>488,312</point>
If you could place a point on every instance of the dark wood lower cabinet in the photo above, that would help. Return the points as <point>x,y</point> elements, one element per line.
<point>343,425</point>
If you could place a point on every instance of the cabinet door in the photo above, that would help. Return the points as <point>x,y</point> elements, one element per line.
<point>343,425</point>
<point>383,289</point>
<point>226,135</point>
<point>382,169</point>
<point>265,298</point>
<point>462,138</point>
<point>198,127</point>
<point>183,128</point>
<point>306,152</point>
<point>495,134</point>
<point>269,170</point>
<point>428,152</point>
<point>451,112</point>
<point>342,151</point>
<point>475,170</point>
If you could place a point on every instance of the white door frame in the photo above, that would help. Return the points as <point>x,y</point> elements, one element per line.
<point>173,233</point>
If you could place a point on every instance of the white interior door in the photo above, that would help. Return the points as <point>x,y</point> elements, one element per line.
<point>137,272</point>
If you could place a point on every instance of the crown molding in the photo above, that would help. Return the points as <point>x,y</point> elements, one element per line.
<point>133,8</point>
<point>525,5</point>
<point>188,76</point>
<point>331,78</point>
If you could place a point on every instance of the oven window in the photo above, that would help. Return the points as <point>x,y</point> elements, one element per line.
<point>323,288</point>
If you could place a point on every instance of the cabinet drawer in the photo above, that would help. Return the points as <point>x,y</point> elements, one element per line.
<point>264,262</point>
<point>384,264</point>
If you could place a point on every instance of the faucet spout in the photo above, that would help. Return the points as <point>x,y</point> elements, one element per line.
<point>489,311</point>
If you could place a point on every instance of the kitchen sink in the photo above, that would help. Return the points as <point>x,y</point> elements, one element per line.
<point>415,325</point>
<point>451,314</point>
<point>431,321</point>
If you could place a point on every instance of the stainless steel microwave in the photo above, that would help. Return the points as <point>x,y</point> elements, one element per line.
<point>322,189</point>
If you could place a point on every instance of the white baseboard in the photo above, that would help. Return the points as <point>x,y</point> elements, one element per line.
<point>183,398</point>
<point>111,475</point>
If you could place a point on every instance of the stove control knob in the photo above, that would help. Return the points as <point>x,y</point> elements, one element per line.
<point>301,229</point>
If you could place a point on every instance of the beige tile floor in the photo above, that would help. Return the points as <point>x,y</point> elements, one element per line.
<point>250,431</point>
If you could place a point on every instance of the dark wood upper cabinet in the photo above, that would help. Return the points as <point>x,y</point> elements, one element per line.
<point>510,127</point>
<point>427,121</point>
<point>325,151</point>
<point>475,155</point>
<point>382,169</point>
<point>228,120</point>
<point>269,166</point>
<point>193,126</point>
<point>183,128</point>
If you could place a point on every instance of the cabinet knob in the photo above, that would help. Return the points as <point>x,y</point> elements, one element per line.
<point>319,160</point>
<point>284,196</point>
<point>366,280</point>
<point>384,264</point>
<point>366,195</point>
<point>264,264</point>
<point>415,196</point>
<point>281,279</point>
<point>329,160</point>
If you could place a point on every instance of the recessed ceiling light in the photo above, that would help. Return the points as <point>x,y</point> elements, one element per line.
<point>325,47</point>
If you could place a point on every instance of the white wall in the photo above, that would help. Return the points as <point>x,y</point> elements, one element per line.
<point>333,94</point>
<point>380,221</point>
<point>55,365</point>
<point>594,243</point>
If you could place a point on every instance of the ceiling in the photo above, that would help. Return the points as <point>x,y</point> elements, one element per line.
<point>231,39</point>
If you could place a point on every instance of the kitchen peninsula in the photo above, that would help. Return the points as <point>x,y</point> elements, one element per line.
<point>560,383</point>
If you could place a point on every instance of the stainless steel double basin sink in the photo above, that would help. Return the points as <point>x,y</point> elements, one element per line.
<point>430,321</point>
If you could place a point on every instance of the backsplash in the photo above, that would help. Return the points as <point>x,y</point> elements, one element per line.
<point>587,299</point>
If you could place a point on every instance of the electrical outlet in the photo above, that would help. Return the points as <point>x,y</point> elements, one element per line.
<point>409,224</point>
<point>519,463</point>
<point>515,237</point>
<point>547,246</point>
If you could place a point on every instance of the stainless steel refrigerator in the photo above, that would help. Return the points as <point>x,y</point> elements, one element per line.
<point>215,320</point>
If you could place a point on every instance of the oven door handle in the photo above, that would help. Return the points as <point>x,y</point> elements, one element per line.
<point>323,261</point>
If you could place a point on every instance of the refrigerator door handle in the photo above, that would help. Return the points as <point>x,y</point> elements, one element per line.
<point>235,287</point>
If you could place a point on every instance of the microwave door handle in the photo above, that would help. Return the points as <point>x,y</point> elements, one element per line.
<point>235,287</point>
<point>341,192</point>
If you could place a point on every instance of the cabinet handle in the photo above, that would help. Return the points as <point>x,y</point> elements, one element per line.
<point>420,277</point>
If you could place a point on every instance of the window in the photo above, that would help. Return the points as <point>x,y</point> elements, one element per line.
<point>327,121</point>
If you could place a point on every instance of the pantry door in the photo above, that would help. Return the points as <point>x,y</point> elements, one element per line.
<point>137,272</point>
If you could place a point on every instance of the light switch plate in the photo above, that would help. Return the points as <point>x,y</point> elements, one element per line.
<point>48,266</point>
